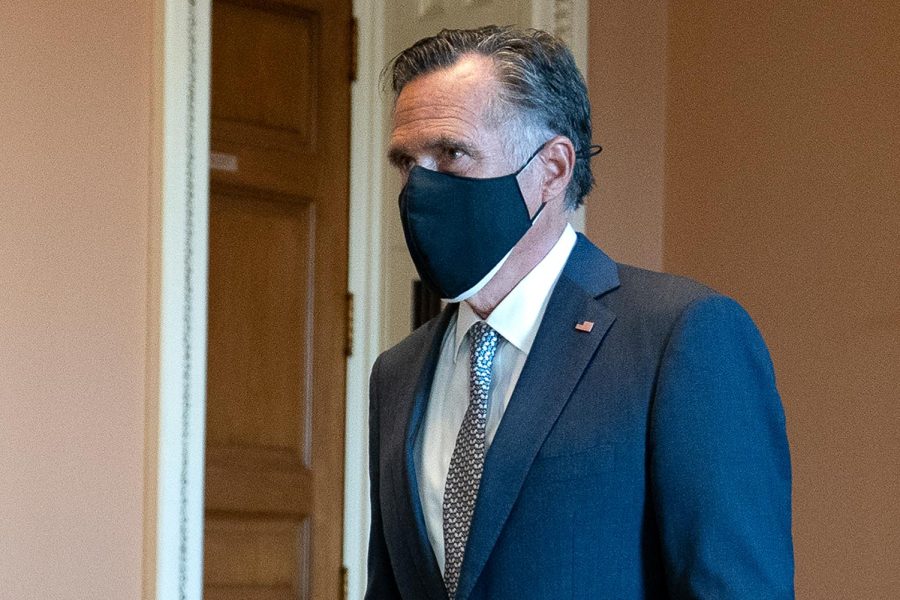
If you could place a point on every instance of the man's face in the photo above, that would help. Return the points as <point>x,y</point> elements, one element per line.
<point>448,121</point>
<point>443,121</point>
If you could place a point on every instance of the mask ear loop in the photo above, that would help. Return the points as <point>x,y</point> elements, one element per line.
<point>522,168</point>
<point>591,151</point>
<point>530,158</point>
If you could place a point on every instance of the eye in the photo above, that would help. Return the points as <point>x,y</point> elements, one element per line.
<point>403,163</point>
<point>452,159</point>
<point>454,153</point>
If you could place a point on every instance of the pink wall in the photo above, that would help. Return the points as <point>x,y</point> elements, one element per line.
<point>74,205</point>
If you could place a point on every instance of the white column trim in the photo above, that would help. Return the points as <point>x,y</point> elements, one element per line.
<point>365,270</point>
<point>177,328</point>
<point>567,19</point>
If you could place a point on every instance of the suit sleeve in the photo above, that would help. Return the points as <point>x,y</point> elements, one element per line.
<point>720,470</point>
<point>381,583</point>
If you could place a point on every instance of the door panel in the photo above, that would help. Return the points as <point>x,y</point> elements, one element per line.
<point>264,70</point>
<point>234,569</point>
<point>277,299</point>
<point>267,85</point>
<point>264,264</point>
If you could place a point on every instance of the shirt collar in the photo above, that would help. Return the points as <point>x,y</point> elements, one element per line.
<point>518,316</point>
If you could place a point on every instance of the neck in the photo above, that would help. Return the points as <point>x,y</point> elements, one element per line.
<point>530,251</point>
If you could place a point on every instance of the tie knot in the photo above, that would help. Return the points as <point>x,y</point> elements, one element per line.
<point>483,336</point>
<point>484,346</point>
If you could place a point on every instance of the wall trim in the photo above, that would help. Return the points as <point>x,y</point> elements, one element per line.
<point>177,328</point>
<point>364,281</point>
<point>567,19</point>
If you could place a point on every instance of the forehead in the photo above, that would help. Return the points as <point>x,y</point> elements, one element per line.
<point>458,101</point>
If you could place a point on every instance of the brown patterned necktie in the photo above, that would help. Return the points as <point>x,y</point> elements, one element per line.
<point>467,461</point>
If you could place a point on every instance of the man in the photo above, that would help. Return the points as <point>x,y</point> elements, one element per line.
<point>568,427</point>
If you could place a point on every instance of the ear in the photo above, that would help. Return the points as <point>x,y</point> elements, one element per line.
<point>558,159</point>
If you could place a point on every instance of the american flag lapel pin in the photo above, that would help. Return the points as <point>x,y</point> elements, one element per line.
<point>585,326</point>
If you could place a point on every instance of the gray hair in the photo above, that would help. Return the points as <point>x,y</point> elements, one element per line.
<point>538,79</point>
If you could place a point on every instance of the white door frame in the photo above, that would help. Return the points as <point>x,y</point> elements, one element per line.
<point>176,372</point>
<point>364,281</point>
<point>176,378</point>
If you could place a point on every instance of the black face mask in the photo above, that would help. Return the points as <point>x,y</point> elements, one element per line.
<point>460,230</point>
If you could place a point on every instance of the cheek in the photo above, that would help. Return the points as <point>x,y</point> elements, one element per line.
<point>531,185</point>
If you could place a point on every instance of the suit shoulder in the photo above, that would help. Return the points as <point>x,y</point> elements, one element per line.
<point>415,345</point>
<point>657,294</point>
<point>651,308</point>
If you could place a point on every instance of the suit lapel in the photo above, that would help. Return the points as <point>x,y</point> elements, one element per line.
<point>409,516</point>
<point>558,358</point>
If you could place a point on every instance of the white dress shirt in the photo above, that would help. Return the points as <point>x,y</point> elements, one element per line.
<point>516,320</point>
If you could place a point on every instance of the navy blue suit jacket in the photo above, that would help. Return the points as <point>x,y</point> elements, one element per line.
<point>644,459</point>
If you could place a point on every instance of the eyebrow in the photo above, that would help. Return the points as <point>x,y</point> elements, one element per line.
<point>397,155</point>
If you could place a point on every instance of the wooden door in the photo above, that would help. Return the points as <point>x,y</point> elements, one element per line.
<point>277,299</point>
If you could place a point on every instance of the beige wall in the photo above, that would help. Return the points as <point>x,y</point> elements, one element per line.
<point>74,206</point>
<point>782,150</point>
<point>627,80</point>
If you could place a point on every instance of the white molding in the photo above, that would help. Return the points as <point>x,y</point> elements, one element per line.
<point>365,274</point>
<point>567,19</point>
<point>178,256</point>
